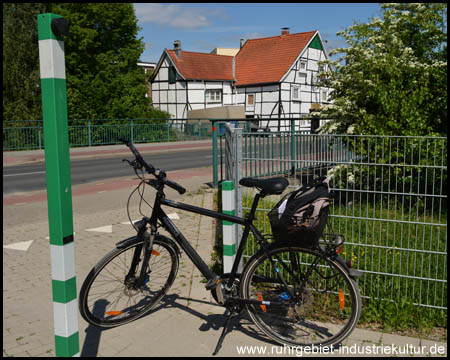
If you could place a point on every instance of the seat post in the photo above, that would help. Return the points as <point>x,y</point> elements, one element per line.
<point>251,215</point>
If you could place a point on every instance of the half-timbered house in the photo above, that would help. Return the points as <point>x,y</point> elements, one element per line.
<point>272,77</point>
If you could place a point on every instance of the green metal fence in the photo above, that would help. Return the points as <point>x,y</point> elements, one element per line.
<point>390,204</point>
<point>29,135</point>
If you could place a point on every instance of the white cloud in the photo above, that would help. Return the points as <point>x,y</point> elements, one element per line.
<point>176,15</point>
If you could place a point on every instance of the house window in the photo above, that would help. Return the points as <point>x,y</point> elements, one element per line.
<point>302,78</point>
<point>251,99</point>
<point>296,93</point>
<point>324,96</point>
<point>213,96</point>
<point>302,66</point>
<point>172,75</point>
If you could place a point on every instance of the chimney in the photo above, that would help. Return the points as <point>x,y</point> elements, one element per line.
<point>177,48</point>
<point>285,31</point>
<point>242,43</point>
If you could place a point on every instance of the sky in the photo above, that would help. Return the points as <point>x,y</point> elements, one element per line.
<point>203,27</point>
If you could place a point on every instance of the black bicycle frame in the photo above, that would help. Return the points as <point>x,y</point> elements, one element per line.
<point>159,214</point>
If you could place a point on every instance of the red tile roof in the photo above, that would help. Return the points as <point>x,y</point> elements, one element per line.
<point>268,59</point>
<point>201,66</point>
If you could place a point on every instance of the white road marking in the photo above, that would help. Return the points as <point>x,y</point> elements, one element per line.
<point>22,246</point>
<point>105,229</point>
<point>38,172</point>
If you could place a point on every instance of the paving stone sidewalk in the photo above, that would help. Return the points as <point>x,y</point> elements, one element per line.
<point>187,323</point>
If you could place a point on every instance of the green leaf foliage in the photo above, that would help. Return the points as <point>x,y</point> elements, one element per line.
<point>391,80</point>
<point>21,81</point>
<point>101,55</point>
<point>394,81</point>
<point>102,51</point>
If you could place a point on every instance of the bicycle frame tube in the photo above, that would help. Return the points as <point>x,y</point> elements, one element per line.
<point>192,254</point>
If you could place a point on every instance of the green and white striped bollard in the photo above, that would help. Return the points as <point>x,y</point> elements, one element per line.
<point>51,29</point>
<point>229,237</point>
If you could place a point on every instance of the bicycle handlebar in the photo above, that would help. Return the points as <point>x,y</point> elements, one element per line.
<point>151,170</point>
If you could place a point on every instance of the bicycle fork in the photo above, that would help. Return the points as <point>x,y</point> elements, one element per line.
<point>147,248</point>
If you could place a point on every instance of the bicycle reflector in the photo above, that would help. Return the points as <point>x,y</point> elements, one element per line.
<point>341,299</point>
<point>113,313</point>
<point>260,298</point>
<point>156,253</point>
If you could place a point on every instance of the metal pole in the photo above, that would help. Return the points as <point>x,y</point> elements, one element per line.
<point>293,147</point>
<point>39,135</point>
<point>214,146</point>
<point>131,130</point>
<point>51,29</point>
<point>89,132</point>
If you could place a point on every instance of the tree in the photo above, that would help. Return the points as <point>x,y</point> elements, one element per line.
<point>394,80</point>
<point>101,54</point>
<point>102,51</point>
<point>21,81</point>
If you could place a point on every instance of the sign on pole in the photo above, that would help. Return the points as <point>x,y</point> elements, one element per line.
<point>51,30</point>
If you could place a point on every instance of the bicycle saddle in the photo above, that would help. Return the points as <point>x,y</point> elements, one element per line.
<point>272,186</point>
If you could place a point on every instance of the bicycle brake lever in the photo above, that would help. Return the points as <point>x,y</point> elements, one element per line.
<point>133,163</point>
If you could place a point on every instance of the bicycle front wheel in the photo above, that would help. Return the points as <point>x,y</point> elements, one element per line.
<point>317,304</point>
<point>110,295</point>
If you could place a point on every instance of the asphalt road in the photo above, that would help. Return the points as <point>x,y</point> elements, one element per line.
<point>31,177</point>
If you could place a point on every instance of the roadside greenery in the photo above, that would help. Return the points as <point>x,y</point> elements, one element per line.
<point>387,247</point>
<point>101,55</point>
<point>391,80</point>
<point>392,77</point>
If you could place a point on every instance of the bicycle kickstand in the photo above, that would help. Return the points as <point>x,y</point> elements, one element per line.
<point>229,314</point>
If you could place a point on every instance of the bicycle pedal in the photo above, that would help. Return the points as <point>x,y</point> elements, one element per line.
<point>211,284</point>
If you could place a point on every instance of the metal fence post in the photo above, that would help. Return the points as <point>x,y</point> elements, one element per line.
<point>293,153</point>
<point>214,146</point>
<point>131,130</point>
<point>51,29</point>
<point>39,136</point>
<point>89,132</point>
<point>238,191</point>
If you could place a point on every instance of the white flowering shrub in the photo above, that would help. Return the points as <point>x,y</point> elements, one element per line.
<point>392,77</point>
<point>391,80</point>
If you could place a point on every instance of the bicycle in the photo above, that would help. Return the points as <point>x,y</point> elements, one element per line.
<point>297,296</point>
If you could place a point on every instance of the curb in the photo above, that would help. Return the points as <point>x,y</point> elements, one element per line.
<point>33,156</point>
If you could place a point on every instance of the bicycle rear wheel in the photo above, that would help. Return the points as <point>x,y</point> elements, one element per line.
<point>326,302</point>
<point>109,296</point>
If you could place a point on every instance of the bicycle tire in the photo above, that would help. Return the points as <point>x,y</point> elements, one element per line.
<point>326,305</point>
<point>98,309</point>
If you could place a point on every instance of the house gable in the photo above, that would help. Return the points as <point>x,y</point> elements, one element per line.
<point>259,61</point>
<point>316,43</point>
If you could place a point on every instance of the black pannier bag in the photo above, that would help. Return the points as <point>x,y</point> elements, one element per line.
<point>301,215</point>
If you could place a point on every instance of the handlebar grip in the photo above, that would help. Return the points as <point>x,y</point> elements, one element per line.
<point>181,190</point>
